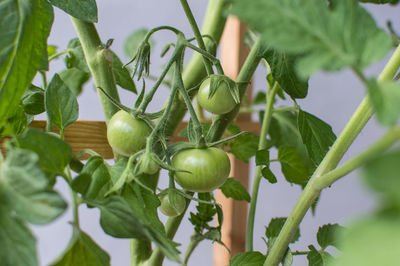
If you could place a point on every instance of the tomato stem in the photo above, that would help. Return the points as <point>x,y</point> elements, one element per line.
<point>356,123</point>
<point>270,96</point>
<point>99,66</point>
<point>195,239</point>
<point>384,143</point>
<point>183,92</point>
<point>149,96</point>
<point>197,34</point>
<point>194,72</point>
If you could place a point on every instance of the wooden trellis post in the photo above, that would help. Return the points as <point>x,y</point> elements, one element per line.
<point>233,54</point>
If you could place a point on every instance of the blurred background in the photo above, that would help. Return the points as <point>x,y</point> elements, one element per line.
<point>333,97</point>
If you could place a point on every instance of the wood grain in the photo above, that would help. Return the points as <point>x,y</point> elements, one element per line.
<point>233,54</point>
<point>93,135</point>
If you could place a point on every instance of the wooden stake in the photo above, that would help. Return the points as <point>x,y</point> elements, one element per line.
<point>233,54</point>
<point>93,135</point>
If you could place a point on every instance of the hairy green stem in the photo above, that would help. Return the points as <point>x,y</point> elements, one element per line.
<point>356,123</point>
<point>194,241</point>
<point>197,34</point>
<point>99,62</point>
<point>74,196</point>
<point>140,250</point>
<point>258,175</point>
<point>183,93</point>
<point>149,96</point>
<point>384,143</point>
<point>194,71</point>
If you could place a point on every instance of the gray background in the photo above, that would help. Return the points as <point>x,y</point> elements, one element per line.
<point>332,96</point>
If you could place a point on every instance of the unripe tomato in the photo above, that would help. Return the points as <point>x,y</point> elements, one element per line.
<point>170,209</point>
<point>126,134</point>
<point>147,164</point>
<point>222,101</point>
<point>209,168</point>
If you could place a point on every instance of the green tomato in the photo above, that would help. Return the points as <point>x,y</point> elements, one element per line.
<point>147,164</point>
<point>126,134</point>
<point>172,208</point>
<point>222,101</point>
<point>209,168</point>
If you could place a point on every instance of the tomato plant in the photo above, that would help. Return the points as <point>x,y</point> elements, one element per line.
<point>289,41</point>
<point>126,134</point>
<point>209,168</point>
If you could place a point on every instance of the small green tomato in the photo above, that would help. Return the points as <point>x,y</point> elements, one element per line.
<point>209,168</point>
<point>173,207</point>
<point>222,101</point>
<point>147,164</point>
<point>126,134</point>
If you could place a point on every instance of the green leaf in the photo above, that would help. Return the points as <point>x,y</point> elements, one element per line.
<point>235,190</point>
<point>23,41</point>
<point>285,132</point>
<point>267,174</point>
<point>145,205</point>
<point>17,242</point>
<point>74,79</point>
<point>51,50</point>
<point>324,37</point>
<point>283,71</point>
<point>54,153</point>
<point>316,134</point>
<point>61,104</point>
<point>244,147</point>
<point>133,42</point>
<point>28,189</point>
<point>262,157</point>
<point>327,235</point>
<point>33,100</point>
<point>392,2</point>
<point>94,180</point>
<point>260,98</point>
<point>370,242</point>
<point>314,257</point>
<point>385,98</point>
<point>205,213</point>
<point>273,229</point>
<point>250,258</point>
<point>16,123</point>
<point>292,165</point>
<point>82,9</point>
<point>122,76</point>
<point>82,250</point>
<point>382,175</point>
<point>76,57</point>
<point>118,219</point>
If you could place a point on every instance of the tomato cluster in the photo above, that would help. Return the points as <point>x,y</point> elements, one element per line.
<point>204,169</point>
